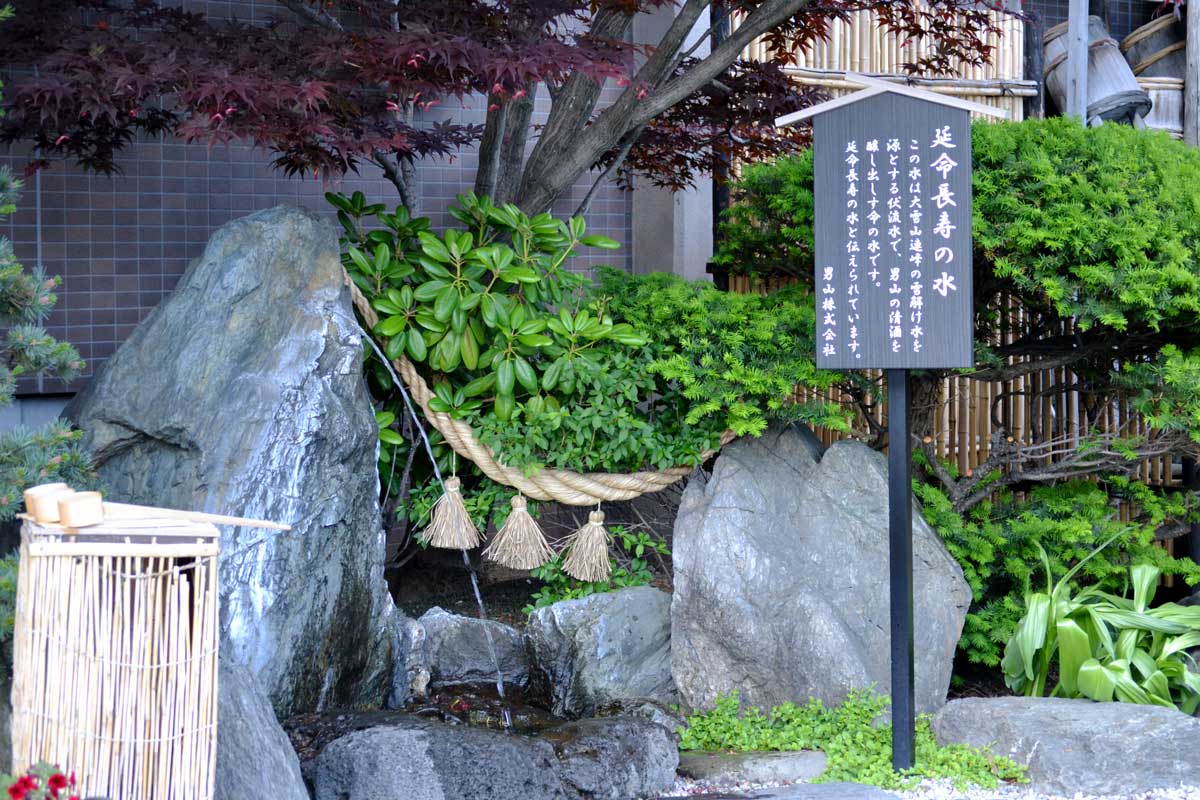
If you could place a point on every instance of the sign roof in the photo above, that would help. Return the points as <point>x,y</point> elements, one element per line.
<point>875,86</point>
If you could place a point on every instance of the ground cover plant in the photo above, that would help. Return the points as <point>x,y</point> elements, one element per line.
<point>858,750</point>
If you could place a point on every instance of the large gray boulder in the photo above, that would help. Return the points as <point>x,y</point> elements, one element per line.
<point>1070,746</point>
<point>242,393</point>
<point>610,759</point>
<point>781,575</point>
<point>254,756</point>
<point>603,648</point>
<point>467,650</point>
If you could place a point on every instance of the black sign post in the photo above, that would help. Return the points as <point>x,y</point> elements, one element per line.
<point>892,188</point>
<point>900,578</point>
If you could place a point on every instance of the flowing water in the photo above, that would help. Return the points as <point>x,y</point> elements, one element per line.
<point>506,713</point>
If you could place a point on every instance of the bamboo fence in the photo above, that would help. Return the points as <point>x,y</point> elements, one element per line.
<point>115,656</point>
<point>1038,407</point>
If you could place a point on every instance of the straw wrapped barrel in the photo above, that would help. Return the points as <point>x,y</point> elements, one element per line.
<point>115,656</point>
<point>1157,49</point>
<point>1167,96</point>
<point>1113,91</point>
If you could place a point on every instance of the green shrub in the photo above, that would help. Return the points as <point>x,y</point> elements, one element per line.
<point>738,358</point>
<point>1100,225</point>
<point>552,370</point>
<point>857,749</point>
<point>998,543</point>
<point>769,230</point>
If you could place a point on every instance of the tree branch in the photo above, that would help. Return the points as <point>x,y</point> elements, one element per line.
<point>312,15</point>
<point>557,165</point>
<point>611,170</point>
<point>766,16</point>
<point>393,173</point>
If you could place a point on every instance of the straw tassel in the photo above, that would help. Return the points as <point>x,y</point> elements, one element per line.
<point>450,524</point>
<point>587,551</point>
<point>520,543</point>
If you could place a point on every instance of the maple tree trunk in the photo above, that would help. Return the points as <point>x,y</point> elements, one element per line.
<point>572,107</point>
<point>573,140</point>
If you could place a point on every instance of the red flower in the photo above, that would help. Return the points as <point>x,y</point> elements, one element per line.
<point>17,791</point>
<point>56,782</point>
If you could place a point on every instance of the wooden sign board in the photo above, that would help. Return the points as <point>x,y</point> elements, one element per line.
<point>892,185</point>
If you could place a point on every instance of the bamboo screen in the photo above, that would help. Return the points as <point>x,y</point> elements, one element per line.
<point>859,44</point>
<point>115,657</point>
<point>1039,408</point>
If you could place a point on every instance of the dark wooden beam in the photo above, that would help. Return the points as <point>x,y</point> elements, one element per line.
<point>1191,85</point>
<point>1035,64</point>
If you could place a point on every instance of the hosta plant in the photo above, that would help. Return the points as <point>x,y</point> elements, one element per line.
<point>1106,647</point>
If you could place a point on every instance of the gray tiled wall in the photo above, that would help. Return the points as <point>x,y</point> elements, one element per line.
<point>1123,16</point>
<point>120,243</point>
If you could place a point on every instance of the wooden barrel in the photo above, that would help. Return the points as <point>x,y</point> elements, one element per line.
<point>1112,90</point>
<point>1156,50</point>
<point>1167,96</point>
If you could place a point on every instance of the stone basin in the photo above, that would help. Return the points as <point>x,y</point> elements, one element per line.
<point>454,746</point>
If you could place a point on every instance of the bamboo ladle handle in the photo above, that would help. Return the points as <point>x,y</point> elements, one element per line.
<point>128,510</point>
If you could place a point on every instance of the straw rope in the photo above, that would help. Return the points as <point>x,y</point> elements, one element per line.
<point>563,486</point>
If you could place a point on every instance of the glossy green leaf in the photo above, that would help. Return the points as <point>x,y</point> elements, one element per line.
<point>1095,681</point>
<point>525,374</point>
<point>505,378</point>
<point>1074,650</point>
<point>445,304</point>
<point>415,345</point>
<point>391,326</point>
<point>469,350</point>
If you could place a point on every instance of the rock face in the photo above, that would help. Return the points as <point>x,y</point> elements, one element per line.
<point>615,759</point>
<point>254,756</point>
<point>1079,746</point>
<point>781,574</point>
<point>457,651</point>
<point>603,648</point>
<point>242,393</point>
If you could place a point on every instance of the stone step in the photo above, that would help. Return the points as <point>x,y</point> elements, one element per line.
<point>728,769</point>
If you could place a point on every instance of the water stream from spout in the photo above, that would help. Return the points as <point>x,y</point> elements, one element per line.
<point>505,712</point>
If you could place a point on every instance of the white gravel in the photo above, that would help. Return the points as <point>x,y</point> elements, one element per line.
<point>944,790</point>
<point>938,790</point>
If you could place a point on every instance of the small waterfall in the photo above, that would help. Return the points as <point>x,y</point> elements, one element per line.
<point>506,713</point>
